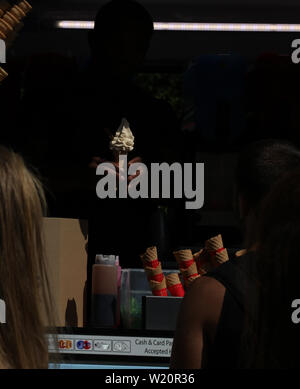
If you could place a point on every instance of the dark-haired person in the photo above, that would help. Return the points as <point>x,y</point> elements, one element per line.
<point>105,93</point>
<point>210,322</point>
<point>24,285</point>
<point>78,122</point>
<point>271,337</point>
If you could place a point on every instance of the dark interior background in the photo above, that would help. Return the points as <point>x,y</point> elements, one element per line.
<point>41,47</point>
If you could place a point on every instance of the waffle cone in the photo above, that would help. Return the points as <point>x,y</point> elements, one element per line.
<point>184,258</point>
<point>25,6</point>
<point>5,27</point>
<point>155,285</point>
<point>159,288</point>
<point>149,257</point>
<point>172,279</point>
<point>154,273</point>
<point>17,12</point>
<point>174,285</point>
<point>214,244</point>
<point>191,271</point>
<point>11,19</point>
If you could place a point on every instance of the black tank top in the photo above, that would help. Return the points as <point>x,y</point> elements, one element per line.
<point>226,351</point>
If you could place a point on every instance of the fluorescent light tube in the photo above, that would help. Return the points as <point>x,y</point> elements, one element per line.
<point>159,26</point>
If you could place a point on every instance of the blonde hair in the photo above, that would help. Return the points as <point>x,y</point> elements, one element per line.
<point>24,284</point>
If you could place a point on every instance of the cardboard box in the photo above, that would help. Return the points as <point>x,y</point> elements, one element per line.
<point>66,250</point>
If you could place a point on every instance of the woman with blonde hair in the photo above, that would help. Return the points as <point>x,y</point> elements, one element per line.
<point>24,285</point>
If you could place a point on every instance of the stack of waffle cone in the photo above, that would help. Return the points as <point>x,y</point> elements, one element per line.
<point>25,6</point>
<point>215,248</point>
<point>10,20</point>
<point>154,272</point>
<point>18,12</point>
<point>174,285</point>
<point>187,265</point>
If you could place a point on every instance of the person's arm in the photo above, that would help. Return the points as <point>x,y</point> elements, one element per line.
<point>199,315</point>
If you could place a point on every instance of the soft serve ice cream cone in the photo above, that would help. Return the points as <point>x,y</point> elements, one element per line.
<point>123,142</point>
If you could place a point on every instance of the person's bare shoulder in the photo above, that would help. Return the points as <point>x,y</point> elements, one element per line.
<point>206,296</point>
<point>199,315</point>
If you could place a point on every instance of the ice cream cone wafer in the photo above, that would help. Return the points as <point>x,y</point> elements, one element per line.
<point>5,27</point>
<point>17,12</point>
<point>184,258</point>
<point>149,258</point>
<point>25,6</point>
<point>159,288</point>
<point>172,279</point>
<point>2,35</point>
<point>154,274</point>
<point>191,271</point>
<point>216,250</point>
<point>174,285</point>
<point>11,19</point>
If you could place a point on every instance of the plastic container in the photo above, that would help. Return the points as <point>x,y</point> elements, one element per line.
<point>134,285</point>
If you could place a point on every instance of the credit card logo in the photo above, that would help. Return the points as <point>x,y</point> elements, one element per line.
<point>83,345</point>
<point>64,344</point>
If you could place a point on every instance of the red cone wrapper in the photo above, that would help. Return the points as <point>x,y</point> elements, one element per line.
<point>159,288</point>
<point>184,258</point>
<point>190,272</point>
<point>155,274</point>
<point>174,285</point>
<point>216,250</point>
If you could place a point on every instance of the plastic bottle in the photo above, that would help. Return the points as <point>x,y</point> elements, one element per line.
<point>105,292</point>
